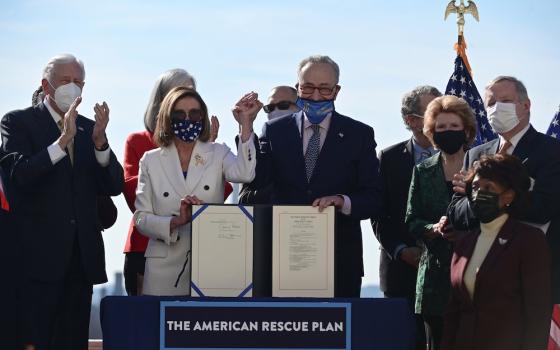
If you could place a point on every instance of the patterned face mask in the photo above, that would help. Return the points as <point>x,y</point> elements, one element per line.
<point>187,130</point>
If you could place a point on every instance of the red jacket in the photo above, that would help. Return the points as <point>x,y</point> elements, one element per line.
<point>136,145</point>
<point>512,303</point>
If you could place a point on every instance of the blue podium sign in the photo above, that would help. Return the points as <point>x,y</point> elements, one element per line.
<point>254,325</point>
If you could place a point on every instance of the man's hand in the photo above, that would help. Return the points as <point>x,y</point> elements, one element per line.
<point>245,111</point>
<point>437,229</point>
<point>327,201</point>
<point>459,185</point>
<point>101,120</point>
<point>214,128</point>
<point>411,256</point>
<point>69,124</point>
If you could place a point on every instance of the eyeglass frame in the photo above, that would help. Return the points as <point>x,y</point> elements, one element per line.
<point>331,90</point>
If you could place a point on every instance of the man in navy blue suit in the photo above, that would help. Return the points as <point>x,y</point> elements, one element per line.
<point>61,162</point>
<point>319,157</point>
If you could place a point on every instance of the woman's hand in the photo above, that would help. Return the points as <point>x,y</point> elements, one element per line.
<point>214,128</point>
<point>245,111</point>
<point>185,212</point>
<point>438,229</point>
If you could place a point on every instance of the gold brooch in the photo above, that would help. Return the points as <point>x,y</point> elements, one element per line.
<point>198,160</point>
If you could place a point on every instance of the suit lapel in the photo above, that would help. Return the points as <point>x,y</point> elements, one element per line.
<point>171,166</point>
<point>81,143</point>
<point>500,244</point>
<point>293,141</point>
<point>465,256</point>
<point>523,148</point>
<point>201,158</point>
<point>408,152</point>
<point>335,135</point>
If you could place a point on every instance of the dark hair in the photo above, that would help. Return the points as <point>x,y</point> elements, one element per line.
<point>163,136</point>
<point>508,172</point>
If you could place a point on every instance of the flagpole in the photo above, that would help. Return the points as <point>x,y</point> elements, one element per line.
<point>461,10</point>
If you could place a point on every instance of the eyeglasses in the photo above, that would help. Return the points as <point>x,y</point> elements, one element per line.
<point>194,115</point>
<point>417,115</point>
<point>323,91</point>
<point>282,105</point>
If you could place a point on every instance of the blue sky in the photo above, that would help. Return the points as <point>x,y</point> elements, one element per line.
<point>383,48</point>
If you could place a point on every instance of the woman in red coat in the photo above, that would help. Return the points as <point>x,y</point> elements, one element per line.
<point>501,275</point>
<point>136,145</point>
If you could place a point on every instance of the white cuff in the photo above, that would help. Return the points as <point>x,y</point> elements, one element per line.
<point>103,157</point>
<point>55,153</point>
<point>347,206</point>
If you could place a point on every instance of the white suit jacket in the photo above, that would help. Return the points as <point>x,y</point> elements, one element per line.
<point>161,186</point>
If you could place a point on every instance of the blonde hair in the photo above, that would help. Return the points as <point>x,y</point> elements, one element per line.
<point>450,104</point>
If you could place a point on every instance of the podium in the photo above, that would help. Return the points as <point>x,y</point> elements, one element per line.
<point>135,322</point>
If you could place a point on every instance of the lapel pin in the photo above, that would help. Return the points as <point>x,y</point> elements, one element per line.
<point>502,241</point>
<point>341,135</point>
<point>198,160</point>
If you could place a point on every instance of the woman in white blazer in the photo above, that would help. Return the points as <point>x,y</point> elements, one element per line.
<point>186,169</point>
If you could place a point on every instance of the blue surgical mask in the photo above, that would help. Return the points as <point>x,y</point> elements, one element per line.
<point>187,130</point>
<point>315,111</point>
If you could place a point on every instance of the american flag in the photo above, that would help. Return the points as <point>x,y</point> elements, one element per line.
<point>554,128</point>
<point>461,85</point>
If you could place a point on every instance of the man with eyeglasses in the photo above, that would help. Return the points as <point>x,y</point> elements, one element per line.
<point>281,102</point>
<point>319,157</point>
<point>400,254</point>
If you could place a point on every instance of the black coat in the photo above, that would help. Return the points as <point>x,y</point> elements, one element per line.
<point>55,205</point>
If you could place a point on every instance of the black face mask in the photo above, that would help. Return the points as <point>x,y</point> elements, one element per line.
<point>486,206</point>
<point>450,141</point>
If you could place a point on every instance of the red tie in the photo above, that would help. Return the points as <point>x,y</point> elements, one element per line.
<point>3,200</point>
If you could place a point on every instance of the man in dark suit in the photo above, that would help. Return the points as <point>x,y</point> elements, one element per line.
<point>400,254</point>
<point>62,161</point>
<point>508,108</point>
<point>319,157</point>
<point>280,102</point>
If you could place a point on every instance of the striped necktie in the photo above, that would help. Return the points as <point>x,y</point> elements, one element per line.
<point>504,147</point>
<point>312,151</point>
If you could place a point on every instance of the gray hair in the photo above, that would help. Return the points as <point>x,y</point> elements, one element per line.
<point>65,58</point>
<point>165,83</point>
<point>320,59</point>
<point>411,100</point>
<point>519,86</point>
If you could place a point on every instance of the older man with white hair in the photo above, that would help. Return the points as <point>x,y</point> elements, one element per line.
<point>61,162</point>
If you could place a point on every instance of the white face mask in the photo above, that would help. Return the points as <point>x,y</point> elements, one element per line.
<point>277,113</point>
<point>502,117</point>
<point>65,94</point>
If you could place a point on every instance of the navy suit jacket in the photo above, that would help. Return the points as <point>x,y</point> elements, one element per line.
<point>397,278</point>
<point>55,206</point>
<point>347,165</point>
<point>541,156</point>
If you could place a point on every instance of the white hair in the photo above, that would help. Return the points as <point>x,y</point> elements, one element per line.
<point>65,58</point>
<point>320,59</point>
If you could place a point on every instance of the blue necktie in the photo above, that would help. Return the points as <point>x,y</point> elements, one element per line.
<point>312,151</point>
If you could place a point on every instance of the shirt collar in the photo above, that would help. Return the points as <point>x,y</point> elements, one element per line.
<point>53,113</point>
<point>516,138</point>
<point>419,148</point>
<point>324,124</point>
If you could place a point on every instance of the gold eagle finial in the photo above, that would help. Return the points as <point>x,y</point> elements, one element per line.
<point>461,10</point>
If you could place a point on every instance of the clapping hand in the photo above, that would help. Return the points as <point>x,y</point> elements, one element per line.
<point>101,120</point>
<point>69,124</point>
<point>214,128</point>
